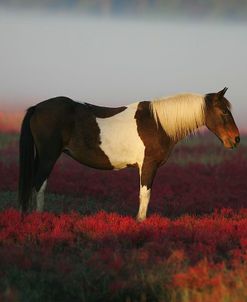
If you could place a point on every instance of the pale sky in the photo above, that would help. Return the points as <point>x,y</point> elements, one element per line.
<point>118,61</point>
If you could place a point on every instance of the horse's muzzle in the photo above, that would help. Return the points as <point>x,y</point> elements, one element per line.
<point>230,143</point>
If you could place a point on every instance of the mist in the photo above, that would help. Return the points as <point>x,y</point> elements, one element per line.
<point>115,61</point>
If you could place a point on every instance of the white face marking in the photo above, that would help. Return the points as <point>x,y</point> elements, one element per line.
<point>120,140</point>
<point>144,200</point>
<point>40,197</point>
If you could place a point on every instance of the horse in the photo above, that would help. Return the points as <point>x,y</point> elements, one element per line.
<point>140,135</point>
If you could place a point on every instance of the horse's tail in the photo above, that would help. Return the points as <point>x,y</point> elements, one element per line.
<point>26,162</point>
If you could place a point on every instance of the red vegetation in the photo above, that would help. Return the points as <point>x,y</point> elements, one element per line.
<point>119,247</point>
<point>220,236</point>
<point>192,247</point>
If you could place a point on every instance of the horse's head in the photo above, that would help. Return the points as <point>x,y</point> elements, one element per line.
<point>219,120</point>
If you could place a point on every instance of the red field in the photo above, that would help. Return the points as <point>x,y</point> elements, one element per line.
<point>87,245</point>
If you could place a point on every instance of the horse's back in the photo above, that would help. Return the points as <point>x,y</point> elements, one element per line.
<point>103,112</point>
<point>62,106</point>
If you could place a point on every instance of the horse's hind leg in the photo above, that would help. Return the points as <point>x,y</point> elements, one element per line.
<point>40,197</point>
<point>44,167</point>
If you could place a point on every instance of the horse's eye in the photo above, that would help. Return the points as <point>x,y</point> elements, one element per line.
<point>225,111</point>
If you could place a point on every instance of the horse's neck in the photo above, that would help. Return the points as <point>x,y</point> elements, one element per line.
<point>180,115</point>
<point>185,132</point>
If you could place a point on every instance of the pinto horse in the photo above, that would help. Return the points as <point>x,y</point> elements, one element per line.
<point>140,135</point>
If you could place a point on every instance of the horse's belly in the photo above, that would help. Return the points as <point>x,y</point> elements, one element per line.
<point>121,158</point>
<point>120,140</point>
<point>123,150</point>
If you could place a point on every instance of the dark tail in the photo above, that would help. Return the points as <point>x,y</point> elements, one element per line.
<point>26,162</point>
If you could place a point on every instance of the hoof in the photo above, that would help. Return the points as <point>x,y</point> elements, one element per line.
<point>140,219</point>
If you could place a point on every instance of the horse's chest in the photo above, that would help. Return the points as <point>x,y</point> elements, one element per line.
<point>119,139</point>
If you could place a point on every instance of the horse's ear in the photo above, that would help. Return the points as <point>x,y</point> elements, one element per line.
<point>222,92</point>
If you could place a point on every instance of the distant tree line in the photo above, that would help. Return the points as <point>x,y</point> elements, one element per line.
<point>227,8</point>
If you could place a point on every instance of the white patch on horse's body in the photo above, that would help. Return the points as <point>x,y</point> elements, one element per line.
<point>144,200</point>
<point>120,140</point>
<point>40,197</point>
<point>179,115</point>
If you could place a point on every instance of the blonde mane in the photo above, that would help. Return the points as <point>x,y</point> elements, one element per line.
<point>179,115</point>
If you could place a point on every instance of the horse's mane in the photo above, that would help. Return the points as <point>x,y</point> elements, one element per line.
<point>179,115</point>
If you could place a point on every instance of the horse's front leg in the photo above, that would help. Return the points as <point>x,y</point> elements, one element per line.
<point>147,174</point>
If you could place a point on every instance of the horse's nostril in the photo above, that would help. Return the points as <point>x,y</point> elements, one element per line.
<point>237,139</point>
